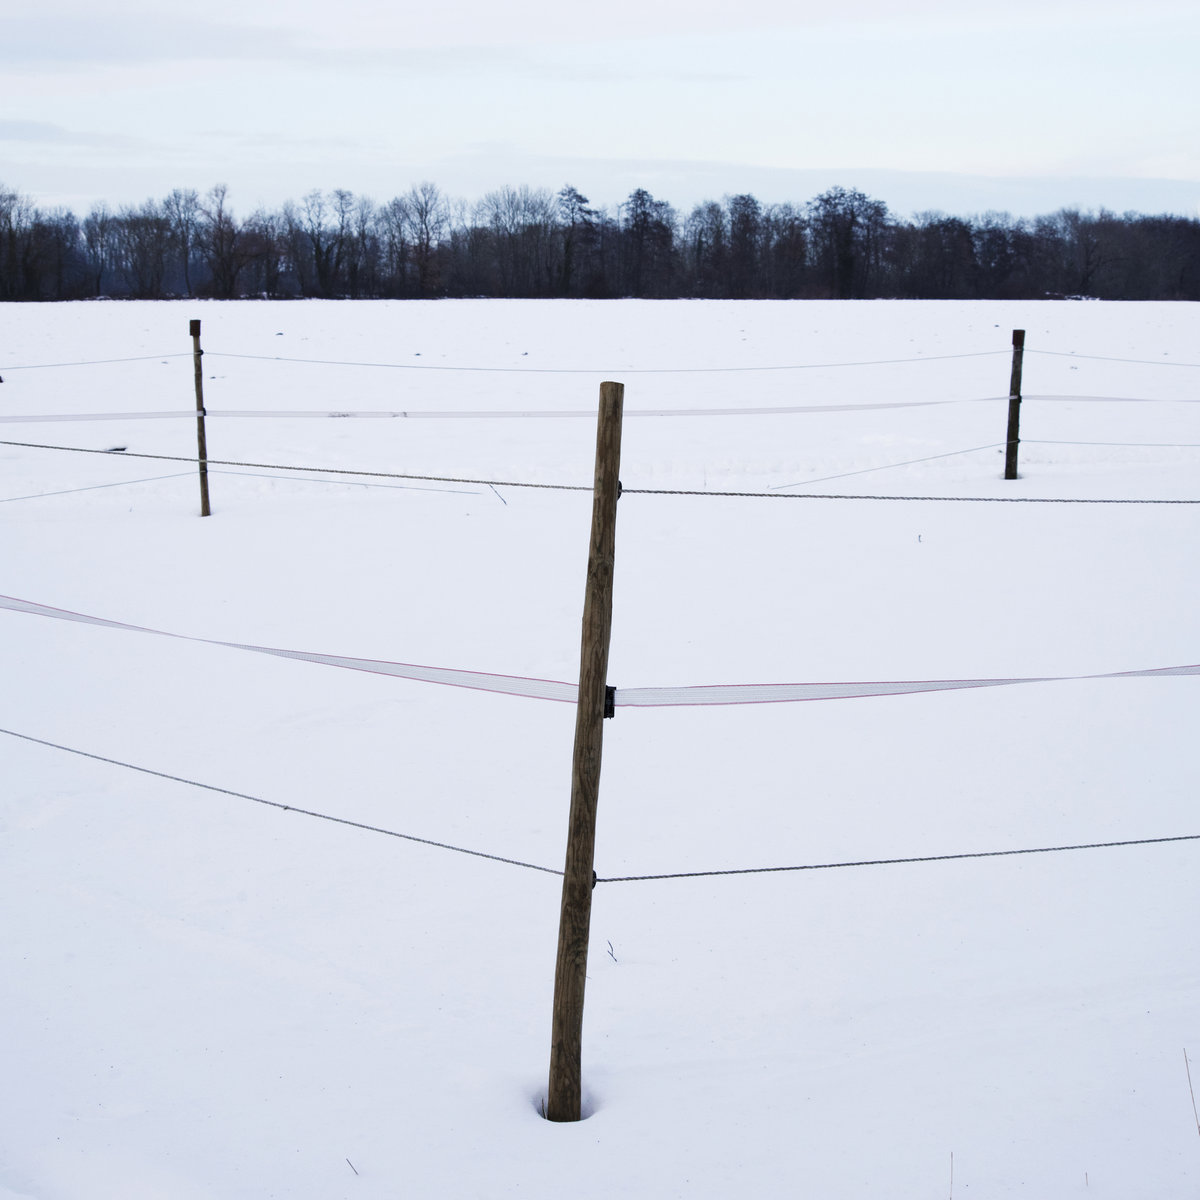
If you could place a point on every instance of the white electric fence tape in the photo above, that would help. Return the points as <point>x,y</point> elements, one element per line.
<point>481,414</point>
<point>782,693</point>
<point>554,413</point>
<point>567,693</point>
<point>13,418</point>
<point>510,685</point>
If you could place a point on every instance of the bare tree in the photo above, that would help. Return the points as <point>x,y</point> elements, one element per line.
<point>361,253</point>
<point>706,248</point>
<point>577,231</point>
<point>265,245</point>
<point>649,243</point>
<point>785,255</point>
<point>182,209</point>
<point>18,255</point>
<point>393,222</point>
<point>521,223</point>
<point>847,230</point>
<point>99,233</point>
<point>427,214</point>
<point>745,248</point>
<point>142,245</point>
<point>222,243</point>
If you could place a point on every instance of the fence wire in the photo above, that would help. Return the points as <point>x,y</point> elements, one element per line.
<point>739,370</point>
<point>598,879</point>
<point>304,812</point>
<point>267,414</point>
<point>577,487</point>
<point>95,362</point>
<point>890,466</point>
<point>1141,362</point>
<point>891,862</point>
<point>730,370</point>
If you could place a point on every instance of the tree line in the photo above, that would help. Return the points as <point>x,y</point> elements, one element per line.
<point>532,242</point>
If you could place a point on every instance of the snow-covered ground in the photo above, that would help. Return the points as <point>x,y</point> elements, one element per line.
<point>205,997</point>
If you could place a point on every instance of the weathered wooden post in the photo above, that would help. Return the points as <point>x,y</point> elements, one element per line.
<point>1014,406</point>
<point>201,440</point>
<point>570,974</point>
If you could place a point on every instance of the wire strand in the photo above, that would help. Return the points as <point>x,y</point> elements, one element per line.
<point>632,491</point>
<point>95,362</point>
<point>337,482</point>
<point>224,462</point>
<point>304,812</point>
<point>1133,445</point>
<point>576,487</point>
<point>890,466</point>
<point>496,414</point>
<point>95,487</point>
<point>890,862</point>
<point>330,362</point>
<point>1143,362</point>
<point>514,862</point>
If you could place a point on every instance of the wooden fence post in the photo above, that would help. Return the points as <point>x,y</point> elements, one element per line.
<point>201,440</point>
<point>1014,406</point>
<point>570,974</point>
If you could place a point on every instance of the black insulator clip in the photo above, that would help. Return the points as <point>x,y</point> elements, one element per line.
<point>610,702</point>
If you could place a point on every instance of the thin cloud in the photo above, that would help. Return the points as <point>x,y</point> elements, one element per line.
<point>31,44</point>
<point>45,133</point>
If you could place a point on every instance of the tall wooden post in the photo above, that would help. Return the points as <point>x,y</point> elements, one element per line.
<point>570,974</point>
<point>1014,406</point>
<point>201,440</point>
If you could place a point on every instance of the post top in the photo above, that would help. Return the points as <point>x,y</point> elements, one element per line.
<point>194,328</point>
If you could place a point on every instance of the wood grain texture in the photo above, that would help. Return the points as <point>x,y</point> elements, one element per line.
<point>201,437</point>
<point>1013,439</point>
<point>566,1043</point>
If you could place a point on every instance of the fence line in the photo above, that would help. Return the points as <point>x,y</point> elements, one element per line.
<point>484,414</point>
<point>514,862</point>
<point>570,413</point>
<point>224,462</point>
<point>403,487</point>
<point>635,491</point>
<point>577,487</point>
<point>306,812</point>
<point>38,418</point>
<point>1143,362</point>
<point>888,466</point>
<point>395,366</point>
<point>485,370</point>
<point>1134,445</point>
<point>485,681</point>
<point>891,862</point>
<point>644,697</point>
<point>744,370</point>
<point>96,487</point>
<point>95,362</point>
<point>1114,399</point>
<point>695,695</point>
<point>254,475</point>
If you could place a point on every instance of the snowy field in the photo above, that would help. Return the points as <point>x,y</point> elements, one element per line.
<point>208,998</point>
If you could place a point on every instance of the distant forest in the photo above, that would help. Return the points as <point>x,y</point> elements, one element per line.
<point>531,242</point>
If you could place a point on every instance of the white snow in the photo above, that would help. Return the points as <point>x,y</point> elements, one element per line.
<point>205,997</point>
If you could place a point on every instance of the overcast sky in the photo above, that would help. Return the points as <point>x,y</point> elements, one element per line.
<point>1025,105</point>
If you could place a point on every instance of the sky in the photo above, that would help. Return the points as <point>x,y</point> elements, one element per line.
<point>947,105</point>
